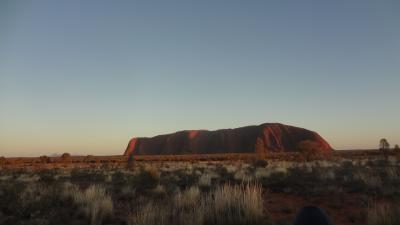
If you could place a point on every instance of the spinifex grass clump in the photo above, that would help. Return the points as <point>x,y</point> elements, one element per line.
<point>94,202</point>
<point>383,214</point>
<point>233,205</point>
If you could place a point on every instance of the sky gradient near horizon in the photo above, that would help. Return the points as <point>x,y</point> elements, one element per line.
<point>86,76</point>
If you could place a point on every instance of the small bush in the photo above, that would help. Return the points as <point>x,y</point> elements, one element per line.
<point>47,176</point>
<point>261,163</point>
<point>205,181</point>
<point>186,180</point>
<point>44,159</point>
<point>159,191</point>
<point>119,178</point>
<point>225,175</point>
<point>148,178</point>
<point>66,157</point>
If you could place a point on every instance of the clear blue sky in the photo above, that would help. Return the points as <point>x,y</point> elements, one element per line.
<point>86,76</point>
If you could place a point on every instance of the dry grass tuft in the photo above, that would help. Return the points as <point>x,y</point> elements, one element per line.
<point>237,205</point>
<point>383,214</point>
<point>234,205</point>
<point>94,202</point>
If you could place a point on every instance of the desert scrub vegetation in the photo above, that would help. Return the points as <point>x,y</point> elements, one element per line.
<point>41,203</point>
<point>227,204</point>
<point>34,204</point>
<point>234,192</point>
<point>380,178</point>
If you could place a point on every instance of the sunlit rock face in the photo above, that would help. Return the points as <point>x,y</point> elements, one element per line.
<point>264,138</point>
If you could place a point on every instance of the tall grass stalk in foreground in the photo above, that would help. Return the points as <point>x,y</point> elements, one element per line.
<point>383,214</point>
<point>233,205</point>
<point>237,205</point>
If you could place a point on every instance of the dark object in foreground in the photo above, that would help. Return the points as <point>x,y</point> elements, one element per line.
<point>312,215</point>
